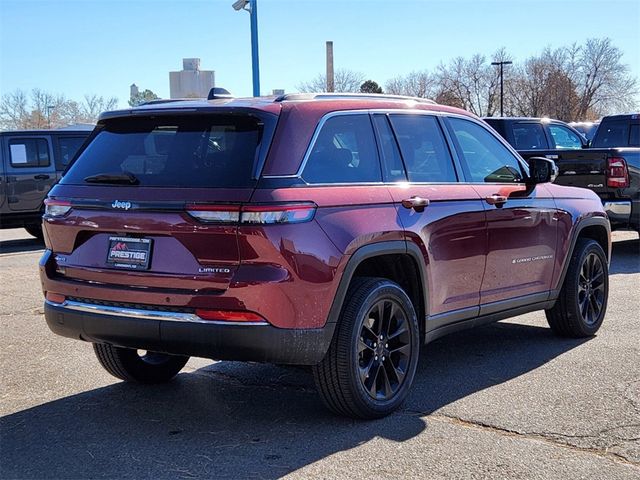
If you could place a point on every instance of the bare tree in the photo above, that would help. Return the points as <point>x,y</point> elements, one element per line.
<point>43,109</point>
<point>345,81</point>
<point>604,83</point>
<point>469,83</point>
<point>94,105</point>
<point>13,110</point>
<point>420,84</point>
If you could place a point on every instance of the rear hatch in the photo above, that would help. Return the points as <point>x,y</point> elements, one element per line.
<point>141,206</point>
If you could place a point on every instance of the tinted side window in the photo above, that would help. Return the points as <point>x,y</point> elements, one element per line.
<point>344,152</point>
<point>68,148</point>
<point>529,136</point>
<point>29,152</point>
<point>425,153</point>
<point>486,158</point>
<point>392,166</point>
<point>564,138</point>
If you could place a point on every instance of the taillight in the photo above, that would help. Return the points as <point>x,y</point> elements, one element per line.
<point>229,316</point>
<point>56,208</point>
<point>215,213</point>
<point>617,173</point>
<point>253,214</point>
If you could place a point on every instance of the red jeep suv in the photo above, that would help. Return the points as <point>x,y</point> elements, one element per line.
<point>336,231</point>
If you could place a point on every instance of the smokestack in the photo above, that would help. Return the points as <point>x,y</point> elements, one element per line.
<point>330,78</point>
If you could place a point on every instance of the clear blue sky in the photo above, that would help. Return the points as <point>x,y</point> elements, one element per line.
<point>100,46</point>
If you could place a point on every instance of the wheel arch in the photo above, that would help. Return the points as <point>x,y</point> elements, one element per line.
<point>386,260</point>
<point>595,228</point>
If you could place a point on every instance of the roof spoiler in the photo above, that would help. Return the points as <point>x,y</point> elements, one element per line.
<point>219,92</point>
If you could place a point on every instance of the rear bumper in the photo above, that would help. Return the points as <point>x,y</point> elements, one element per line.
<point>184,334</point>
<point>619,212</point>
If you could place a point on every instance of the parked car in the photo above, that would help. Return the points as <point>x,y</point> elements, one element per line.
<point>337,231</point>
<point>586,129</point>
<point>609,167</point>
<point>31,161</point>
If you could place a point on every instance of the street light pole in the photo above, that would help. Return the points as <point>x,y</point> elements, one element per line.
<point>251,6</point>
<point>501,64</point>
<point>255,63</point>
<point>49,108</point>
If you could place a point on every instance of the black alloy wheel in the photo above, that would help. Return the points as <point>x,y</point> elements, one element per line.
<point>384,350</point>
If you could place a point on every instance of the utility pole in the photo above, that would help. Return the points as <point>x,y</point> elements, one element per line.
<point>330,78</point>
<point>501,64</point>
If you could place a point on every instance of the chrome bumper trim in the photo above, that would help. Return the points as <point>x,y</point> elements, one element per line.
<point>618,209</point>
<point>142,314</point>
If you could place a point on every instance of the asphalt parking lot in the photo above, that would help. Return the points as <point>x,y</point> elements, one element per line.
<point>508,400</point>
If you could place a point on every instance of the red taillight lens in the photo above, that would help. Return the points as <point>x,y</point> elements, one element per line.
<point>229,316</point>
<point>56,208</point>
<point>617,173</point>
<point>253,214</point>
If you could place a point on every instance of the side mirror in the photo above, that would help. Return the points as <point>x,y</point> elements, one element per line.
<point>542,170</point>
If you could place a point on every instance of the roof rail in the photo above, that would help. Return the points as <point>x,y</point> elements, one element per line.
<point>347,96</point>
<point>165,100</point>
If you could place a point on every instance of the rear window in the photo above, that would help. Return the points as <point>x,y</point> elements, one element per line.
<point>177,151</point>
<point>612,134</point>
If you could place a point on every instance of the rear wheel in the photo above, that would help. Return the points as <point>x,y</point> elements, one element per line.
<point>371,363</point>
<point>130,365</point>
<point>582,303</point>
<point>35,230</point>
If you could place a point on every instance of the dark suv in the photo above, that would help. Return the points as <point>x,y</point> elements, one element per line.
<point>340,232</point>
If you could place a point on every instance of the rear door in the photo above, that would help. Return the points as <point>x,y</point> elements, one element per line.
<point>30,171</point>
<point>450,230</point>
<point>521,220</point>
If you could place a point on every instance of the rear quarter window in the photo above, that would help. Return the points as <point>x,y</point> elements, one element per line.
<point>175,151</point>
<point>344,151</point>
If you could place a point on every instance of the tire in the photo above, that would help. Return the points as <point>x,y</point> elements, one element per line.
<point>126,364</point>
<point>582,304</point>
<point>356,347</point>
<point>35,230</point>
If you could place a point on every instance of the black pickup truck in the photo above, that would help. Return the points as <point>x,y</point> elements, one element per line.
<point>609,165</point>
<point>31,161</point>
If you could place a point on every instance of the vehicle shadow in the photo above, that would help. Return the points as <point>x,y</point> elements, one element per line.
<point>625,257</point>
<point>21,245</point>
<point>240,420</point>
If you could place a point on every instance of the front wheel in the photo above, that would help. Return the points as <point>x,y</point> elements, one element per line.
<point>129,365</point>
<point>582,303</point>
<point>370,365</point>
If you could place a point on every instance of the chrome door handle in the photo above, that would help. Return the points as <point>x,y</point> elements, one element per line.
<point>416,203</point>
<point>495,199</point>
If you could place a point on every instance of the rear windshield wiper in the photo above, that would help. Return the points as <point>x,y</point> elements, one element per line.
<point>126,178</point>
